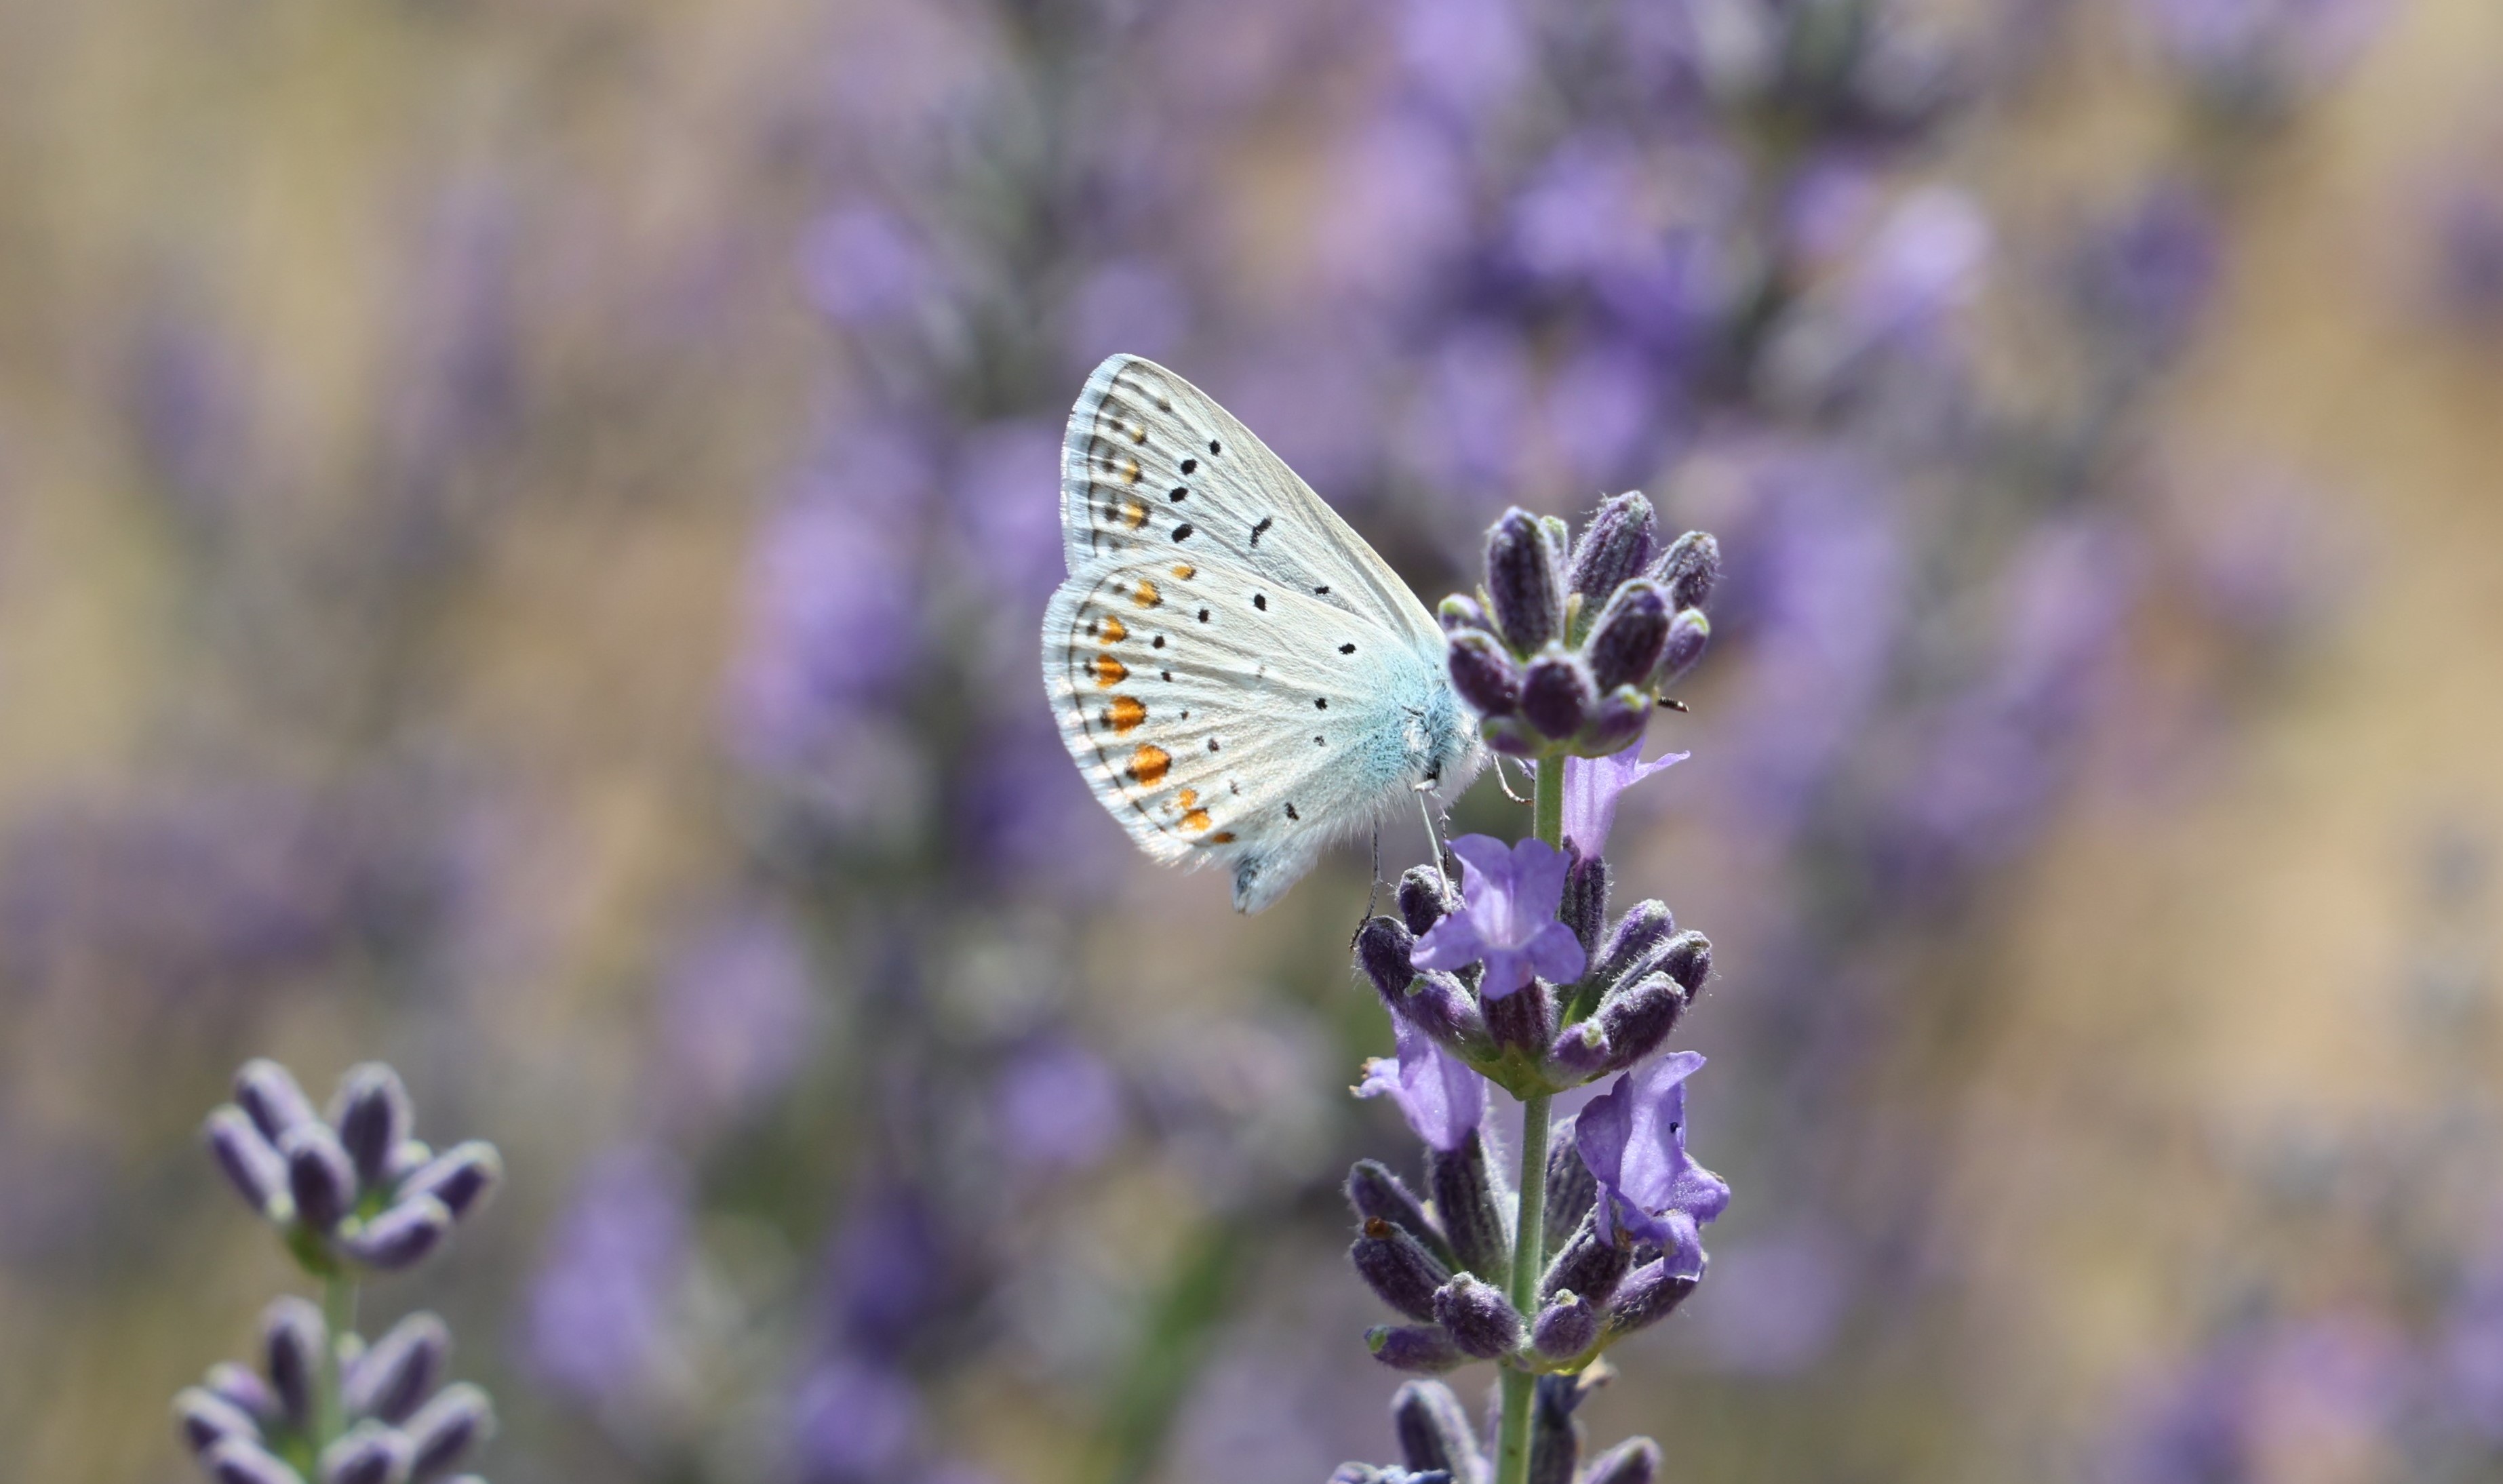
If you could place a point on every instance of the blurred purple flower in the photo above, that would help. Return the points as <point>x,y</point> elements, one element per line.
<point>1604,414</point>
<point>1507,919</point>
<point>2143,278</point>
<point>1005,484</point>
<point>1593,785</point>
<point>1057,1106</point>
<point>1398,211</point>
<point>1633,1138</point>
<point>2468,255</point>
<point>1924,265</point>
<point>1463,53</point>
<point>861,267</point>
<point>738,1013</point>
<point>186,395</point>
<point>2258,57</point>
<point>1443,1100</point>
<point>599,1314</point>
<point>458,386</point>
<point>832,600</point>
<point>887,1266</point>
<point>1126,305</point>
<point>1464,427</point>
<point>1775,1304</point>
<point>855,1422</point>
<point>2471,1349</point>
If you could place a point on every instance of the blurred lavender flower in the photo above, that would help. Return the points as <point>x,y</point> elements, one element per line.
<point>2142,279</point>
<point>2468,255</point>
<point>855,1422</point>
<point>1057,1106</point>
<point>599,1313</point>
<point>738,1015</point>
<point>2251,60</point>
<point>861,267</point>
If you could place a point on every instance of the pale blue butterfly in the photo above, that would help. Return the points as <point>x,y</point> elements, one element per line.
<point>1240,678</point>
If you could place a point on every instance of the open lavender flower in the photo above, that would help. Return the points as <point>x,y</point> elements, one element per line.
<point>1632,1139</point>
<point>351,1193</point>
<point>1593,785</point>
<point>1508,920</point>
<point>1442,1099</point>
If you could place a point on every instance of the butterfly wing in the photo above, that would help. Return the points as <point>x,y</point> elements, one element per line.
<point>1226,719</point>
<point>1152,466</point>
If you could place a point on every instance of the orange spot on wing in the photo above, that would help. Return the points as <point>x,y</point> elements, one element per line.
<point>1148,764</point>
<point>1133,514</point>
<point>1145,595</point>
<point>1110,672</point>
<point>1129,471</point>
<point>1184,570</point>
<point>1126,715</point>
<point>1139,434</point>
<point>1222,837</point>
<point>1114,631</point>
<point>1197,818</point>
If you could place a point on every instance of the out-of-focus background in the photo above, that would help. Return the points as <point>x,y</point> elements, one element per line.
<point>521,535</point>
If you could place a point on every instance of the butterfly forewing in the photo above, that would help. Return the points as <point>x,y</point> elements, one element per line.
<point>1221,715</point>
<point>1151,467</point>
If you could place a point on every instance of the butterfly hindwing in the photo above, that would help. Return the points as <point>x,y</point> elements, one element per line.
<point>1153,467</point>
<point>1225,718</point>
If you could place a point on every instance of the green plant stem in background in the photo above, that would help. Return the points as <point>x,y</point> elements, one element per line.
<point>339,1316</point>
<point>1530,1226</point>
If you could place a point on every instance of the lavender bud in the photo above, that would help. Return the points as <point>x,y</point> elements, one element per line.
<point>1484,675</point>
<point>402,1236</point>
<point>459,1177</point>
<point>292,1337</point>
<point>1465,1197</point>
<point>447,1427</point>
<point>1382,947</point>
<point>1585,907</point>
<point>1524,1020</point>
<point>1565,1328</point>
<point>318,1176</point>
<point>1441,1006</point>
<point>1434,1432</point>
<point>1578,1054</point>
<point>400,1370</point>
<point>1635,1461</point>
<point>268,1092</point>
<point>1482,1321</point>
<point>1688,961</point>
<point>1587,1265</point>
<point>1513,737</point>
<point>243,1388</point>
<point>1554,1437</point>
<point>1647,1296</point>
<point>1688,633</point>
<point>407,1158</point>
<point>1427,1349</point>
<point>1524,582</point>
<point>1617,721</point>
<point>1571,1191</point>
<point>1460,613</point>
<point>254,1166</point>
<point>1378,1195</point>
<point>1399,1268</point>
<point>1645,926</point>
<point>236,1460</point>
<point>206,1419</point>
<point>372,1113</point>
<point>369,1454</point>
<point>1636,1017</point>
<point>1689,569</point>
<point>1425,898</point>
<point>1615,546</point>
<point>1556,694</point>
<point>1626,641</point>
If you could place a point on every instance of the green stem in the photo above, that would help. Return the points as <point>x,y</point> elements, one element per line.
<point>1530,1226</point>
<point>339,1316</point>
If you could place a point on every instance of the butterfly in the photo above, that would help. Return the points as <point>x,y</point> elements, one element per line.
<point>1240,678</point>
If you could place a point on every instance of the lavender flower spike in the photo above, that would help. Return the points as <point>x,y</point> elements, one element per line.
<point>1592,787</point>
<point>1634,1139</point>
<point>1442,1099</point>
<point>1508,916</point>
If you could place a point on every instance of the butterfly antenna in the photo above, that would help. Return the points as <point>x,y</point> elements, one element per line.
<point>1372,894</point>
<point>1433,841</point>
